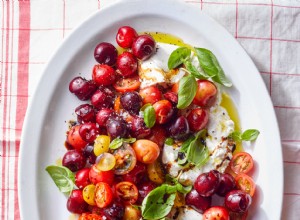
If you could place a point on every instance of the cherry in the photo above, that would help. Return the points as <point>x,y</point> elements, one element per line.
<point>237,201</point>
<point>198,119</point>
<point>227,183</point>
<point>197,202</point>
<point>74,160</point>
<point>125,36</point>
<point>143,47</point>
<point>180,128</point>
<point>85,113</point>
<point>116,127</point>
<point>103,98</point>
<point>103,115</point>
<point>76,203</point>
<point>103,75</point>
<point>137,128</point>
<point>206,94</point>
<point>82,88</point>
<point>131,102</point>
<point>127,64</point>
<point>105,53</point>
<point>88,131</point>
<point>88,152</point>
<point>82,178</point>
<point>144,189</point>
<point>172,97</point>
<point>206,184</point>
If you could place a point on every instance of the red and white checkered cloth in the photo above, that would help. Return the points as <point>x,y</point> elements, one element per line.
<point>32,30</point>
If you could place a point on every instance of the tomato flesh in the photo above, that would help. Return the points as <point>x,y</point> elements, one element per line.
<point>127,84</point>
<point>127,192</point>
<point>245,183</point>
<point>241,162</point>
<point>103,195</point>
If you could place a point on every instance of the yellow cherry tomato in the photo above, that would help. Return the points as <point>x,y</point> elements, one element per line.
<point>88,194</point>
<point>101,144</point>
<point>155,172</point>
<point>105,162</point>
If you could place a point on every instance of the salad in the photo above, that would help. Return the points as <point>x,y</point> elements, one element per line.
<point>155,137</point>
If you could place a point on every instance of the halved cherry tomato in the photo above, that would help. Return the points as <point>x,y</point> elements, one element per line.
<point>127,84</point>
<point>131,213</point>
<point>155,172</point>
<point>127,192</point>
<point>103,195</point>
<point>89,216</point>
<point>216,213</point>
<point>146,151</point>
<point>241,162</point>
<point>125,159</point>
<point>245,183</point>
<point>97,175</point>
<point>88,194</point>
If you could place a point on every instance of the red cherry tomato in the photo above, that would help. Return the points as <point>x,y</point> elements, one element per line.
<point>103,195</point>
<point>241,162</point>
<point>103,75</point>
<point>125,159</point>
<point>198,119</point>
<point>125,36</point>
<point>74,138</point>
<point>206,94</point>
<point>163,111</point>
<point>245,183</point>
<point>82,178</point>
<point>216,213</point>
<point>127,84</point>
<point>97,175</point>
<point>127,64</point>
<point>146,151</point>
<point>127,192</point>
<point>89,216</point>
<point>150,94</point>
<point>158,135</point>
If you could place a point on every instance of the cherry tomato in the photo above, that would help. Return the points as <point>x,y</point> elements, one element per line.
<point>97,175</point>
<point>132,213</point>
<point>74,138</point>
<point>101,144</point>
<point>82,178</point>
<point>245,183</point>
<point>146,151</point>
<point>127,192</point>
<point>88,194</point>
<point>163,111</point>
<point>125,159</point>
<point>198,119</point>
<point>125,36</point>
<point>127,84</point>
<point>105,162</point>
<point>150,94</point>
<point>103,75</point>
<point>103,195</point>
<point>216,213</point>
<point>206,94</point>
<point>158,135</point>
<point>155,172</point>
<point>136,174</point>
<point>241,162</point>
<point>89,216</point>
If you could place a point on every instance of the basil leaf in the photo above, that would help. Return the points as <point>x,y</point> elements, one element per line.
<point>169,141</point>
<point>145,106</point>
<point>178,56</point>
<point>186,144</point>
<point>149,116</point>
<point>250,135</point>
<point>187,91</point>
<point>116,143</point>
<point>198,153</point>
<point>193,70</point>
<point>158,203</point>
<point>211,66</point>
<point>236,135</point>
<point>63,178</point>
<point>183,189</point>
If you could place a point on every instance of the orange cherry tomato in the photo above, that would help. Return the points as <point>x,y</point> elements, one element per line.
<point>245,183</point>
<point>146,151</point>
<point>103,195</point>
<point>127,192</point>
<point>89,216</point>
<point>127,84</point>
<point>241,162</point>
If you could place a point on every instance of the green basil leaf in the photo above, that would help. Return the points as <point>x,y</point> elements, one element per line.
<point>116,143</point>
<point>193,70</point>
<point>186,144</point>
<point>198,153</point>
<point>149,116</point>
<point>63,178</point>
<point>183,189</point>
<point>129,140</point>
<point>236,136</point>
<point>159,202</point>
<point>169,141</point>
<point>178,56</point>
<point>145,106</point>
<point>211,66</point>
<point>250,135</point>
<point>187,91</point>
